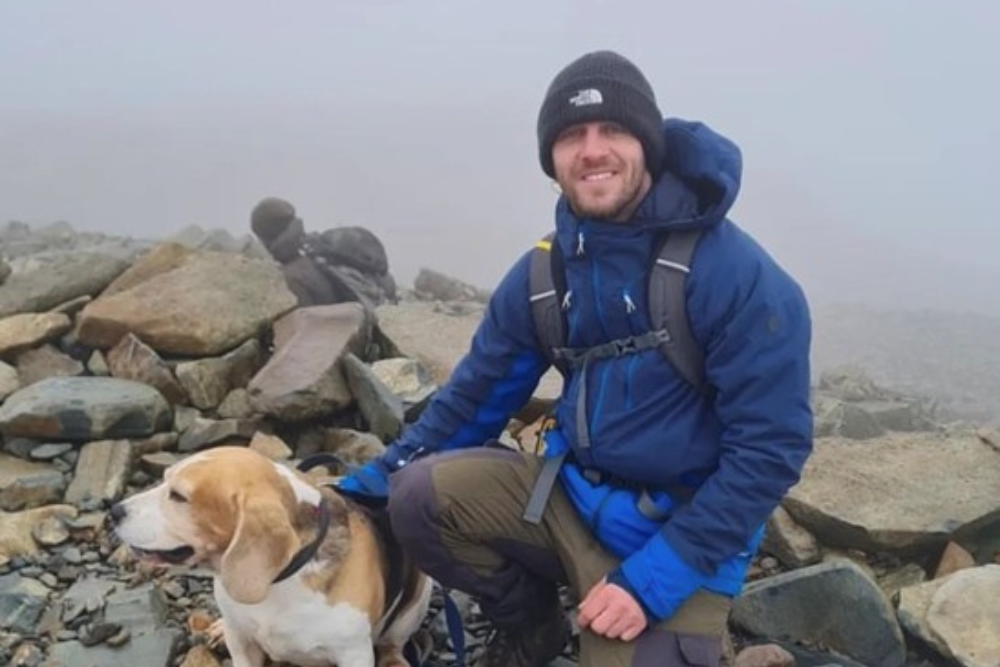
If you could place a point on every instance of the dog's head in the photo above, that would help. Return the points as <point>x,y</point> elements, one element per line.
<point>228,508</point>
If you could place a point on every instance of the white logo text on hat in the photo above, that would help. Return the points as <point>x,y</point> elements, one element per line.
<point>587,97</point>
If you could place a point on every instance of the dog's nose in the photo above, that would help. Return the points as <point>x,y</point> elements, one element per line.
<point>117,513</point>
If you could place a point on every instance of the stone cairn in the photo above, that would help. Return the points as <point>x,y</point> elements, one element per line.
<point>121,357</point>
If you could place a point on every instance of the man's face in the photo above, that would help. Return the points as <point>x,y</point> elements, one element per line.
<point>601,170</point>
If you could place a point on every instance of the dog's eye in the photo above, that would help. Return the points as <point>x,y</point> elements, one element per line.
<point>176,497</point>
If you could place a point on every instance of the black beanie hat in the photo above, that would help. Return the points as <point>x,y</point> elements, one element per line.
<point>601,86</point>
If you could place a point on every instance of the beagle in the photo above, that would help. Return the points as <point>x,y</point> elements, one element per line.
<point>302,576</point>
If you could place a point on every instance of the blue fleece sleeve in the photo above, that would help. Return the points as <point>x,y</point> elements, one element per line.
<point>495,378</point>
<point>757,324</point>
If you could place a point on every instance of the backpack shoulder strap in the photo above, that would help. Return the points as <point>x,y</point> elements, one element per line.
<point>668,306</point>
<point>546,287</point>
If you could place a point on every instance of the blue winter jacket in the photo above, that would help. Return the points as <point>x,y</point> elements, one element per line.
<point>739,450</point>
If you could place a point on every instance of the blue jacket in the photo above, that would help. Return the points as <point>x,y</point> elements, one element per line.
<point>740,450</point>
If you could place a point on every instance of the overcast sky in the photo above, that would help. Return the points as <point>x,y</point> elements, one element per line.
<point>870,130</point>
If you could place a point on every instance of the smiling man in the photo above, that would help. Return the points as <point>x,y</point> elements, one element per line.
<point>659,470</point>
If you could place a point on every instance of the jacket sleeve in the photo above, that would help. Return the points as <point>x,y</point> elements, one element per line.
<point>757,359</point>
<point>495,378</point>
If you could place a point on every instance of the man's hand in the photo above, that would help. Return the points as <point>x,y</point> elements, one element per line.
<point>368,485</point>
<point>611,611</point>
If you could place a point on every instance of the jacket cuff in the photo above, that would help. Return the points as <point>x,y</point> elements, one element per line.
<point>659,578</point>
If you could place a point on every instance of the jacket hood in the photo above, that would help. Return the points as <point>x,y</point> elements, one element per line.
<point>699,182</point>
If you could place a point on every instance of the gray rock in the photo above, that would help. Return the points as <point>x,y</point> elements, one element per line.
<point>157,649</point>
<point>208,381</point>
<point>101,472</point>
<point>50,283</point>
<point>207,432</point>
<point>835,604</point>
<point>84,408</point>
<point>22,601</point>
<point>381,409</point>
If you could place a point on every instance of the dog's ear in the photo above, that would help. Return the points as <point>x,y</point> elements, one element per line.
<point>263,543</point>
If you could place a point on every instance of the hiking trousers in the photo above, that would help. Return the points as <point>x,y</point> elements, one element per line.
<point>458,514</point>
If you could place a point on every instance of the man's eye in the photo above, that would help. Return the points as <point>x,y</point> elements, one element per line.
<point>176,497</point>
<point>570,133</point>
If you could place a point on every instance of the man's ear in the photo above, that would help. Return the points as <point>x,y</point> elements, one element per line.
<point>263,543</point>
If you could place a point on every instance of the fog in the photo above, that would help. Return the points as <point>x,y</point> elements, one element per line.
<point>869,130</point>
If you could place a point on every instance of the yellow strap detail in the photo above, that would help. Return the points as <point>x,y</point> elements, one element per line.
<point>544,245</point>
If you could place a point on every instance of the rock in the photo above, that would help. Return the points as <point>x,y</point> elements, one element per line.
<point>353,447</point>
<point>886,495</point>
<point>849,383</point>
<point>25,485</point>
<point>51,283</point>
<point>236,405</point>
<point>84,408</point>
<point>16,538</point>
<point>381,409</point>
<point>835,604</point>
<point>789,542</point>
<point>45,362</point>
<point>208,381</point>
<point>437,286</point>
<point>303,378</point>
<point>208,305</point>
<point>965,612</point>
<point>22,601</point>
<point>764,655</point>
<point>25,331</point>
<point>956,615</point>
<point>163,258</point>
<point>270,446</point>
<point>9,381</point>
<point>131,359</point>
<point>101,472</point>
<point>953,559</point>
<point>406,378</point>
<point>438,342</point>
<point>207,432</point>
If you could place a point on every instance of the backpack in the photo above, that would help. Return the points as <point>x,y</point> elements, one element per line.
<point>671,330</point>
<point>671,333</point>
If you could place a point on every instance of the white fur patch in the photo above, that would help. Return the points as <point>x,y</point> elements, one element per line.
<point>304,493</point>
<point>296,624</point>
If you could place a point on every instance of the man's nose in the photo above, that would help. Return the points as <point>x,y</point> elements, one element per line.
<point>117,513</point>
<point>594,144</point>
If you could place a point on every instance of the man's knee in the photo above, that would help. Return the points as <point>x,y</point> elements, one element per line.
<point>413,506</point>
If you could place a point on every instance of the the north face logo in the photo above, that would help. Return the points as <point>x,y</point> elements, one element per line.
<point>587,97</point>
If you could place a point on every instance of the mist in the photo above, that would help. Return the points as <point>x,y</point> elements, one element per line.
<point>869,131</point>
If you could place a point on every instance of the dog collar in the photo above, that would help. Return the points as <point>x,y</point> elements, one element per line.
<point>306,553</point>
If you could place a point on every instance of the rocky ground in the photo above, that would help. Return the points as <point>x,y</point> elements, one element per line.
<point>120,357</point>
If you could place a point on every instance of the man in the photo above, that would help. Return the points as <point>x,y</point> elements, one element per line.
<point>334,266</point>
<point>654,588</point>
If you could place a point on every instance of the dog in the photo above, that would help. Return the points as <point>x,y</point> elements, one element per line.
<point>302,575</point>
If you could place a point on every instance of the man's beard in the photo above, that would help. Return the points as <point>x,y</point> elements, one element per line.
<point>617,209</point>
